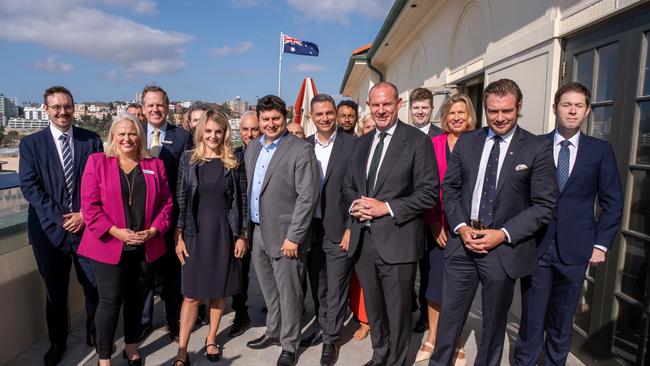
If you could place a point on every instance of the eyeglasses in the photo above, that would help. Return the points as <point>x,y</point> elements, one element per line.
<point>58,108</point>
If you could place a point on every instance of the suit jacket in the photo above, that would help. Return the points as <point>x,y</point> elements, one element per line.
<point>526,194</point>
<point>435,131</point>
<point>439,142</point>
<point>176,141</point>
<point>42,183</point>
<point>573,225</point>
<point>334,207</point>
<point>103,208</point>
<point>187,195</point>
<point>289,192</point>
<point>408,180</point>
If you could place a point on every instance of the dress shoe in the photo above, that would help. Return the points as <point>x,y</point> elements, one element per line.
<point>263,342</point>
<point>212,357</point>
<point>239,325</point>
<point>172,332</point>
<point>421,326</point>
<point>425,352</point>
<point>54,355</point>
<point>145,330</point>
<point>287,359</point>
<point>329,355</point>
<point>133,362</point>
<point>185,362</point>
<point>312,340</point>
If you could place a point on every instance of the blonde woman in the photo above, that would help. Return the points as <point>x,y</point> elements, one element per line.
<point>366,124</point>
<point>127,205</point>
<point>211,230</point>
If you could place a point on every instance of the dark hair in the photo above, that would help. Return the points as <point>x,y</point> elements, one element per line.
<point>421,94</point>
<point>134,105</point>
<point>349,103</point>
<point>56,89</point>
<point>573,86</point>
<point>503,87</point>
<point>384,83</point>
<point>155,89</point>
<point>199,106</point>
<point>271,103</point>
<point>322,98</point>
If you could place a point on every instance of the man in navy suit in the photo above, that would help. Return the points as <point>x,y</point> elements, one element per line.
<point>51,164</point>
<point>499,190</point>
<point>586,169</point>
<point>167,142</point>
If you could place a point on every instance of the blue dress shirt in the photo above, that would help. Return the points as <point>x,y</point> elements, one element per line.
<point>263,160</point>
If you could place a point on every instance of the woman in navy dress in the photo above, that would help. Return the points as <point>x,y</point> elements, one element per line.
<point>211,229</point>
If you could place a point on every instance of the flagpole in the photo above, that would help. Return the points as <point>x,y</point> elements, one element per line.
<point>280,63</point>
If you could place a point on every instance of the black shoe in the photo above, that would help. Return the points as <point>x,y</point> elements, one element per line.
<point>179,362</point>
<point>172,332</point>
<point>329,355</point>
<point>54,355</point>
<point>145,330</point>
<point>91,341</point>
<point>134,362</point>
<point>312,340</point>
<point>202,317</point>
<point>263,342</point>
<point>287,359</point>
<point>239,325</point>
<point>421,326</point>
<point>212,357</point>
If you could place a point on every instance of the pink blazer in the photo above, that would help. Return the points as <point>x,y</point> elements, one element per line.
<point>440,148</point>
<point>102,207</point>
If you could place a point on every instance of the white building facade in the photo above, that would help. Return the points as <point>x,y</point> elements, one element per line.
<point>462,45</point>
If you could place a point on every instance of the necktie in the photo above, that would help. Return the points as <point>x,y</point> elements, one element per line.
<point>563,164</point>
<point>490,184</point>
<point>68,171</point>
<point>374,164</point>
<point>156,138</point>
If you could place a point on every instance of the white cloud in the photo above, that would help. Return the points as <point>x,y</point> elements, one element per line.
<point>52,63</point>
<point>338,11</point>
<point>241,47</point>
<point>307,67</point>
<point>146,7</point>
<point>95,34</point>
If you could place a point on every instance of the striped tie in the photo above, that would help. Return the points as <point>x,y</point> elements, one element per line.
<point>68,167</point>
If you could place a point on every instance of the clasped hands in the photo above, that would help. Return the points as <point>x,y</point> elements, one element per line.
<point>73,222</point>
<point>481,241</point>
<point>366,208</point>
<point>130,237</point>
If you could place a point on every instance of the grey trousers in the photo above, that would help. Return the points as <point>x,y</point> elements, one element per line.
<point>281,282</point>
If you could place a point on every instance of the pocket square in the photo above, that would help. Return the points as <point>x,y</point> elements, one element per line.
<point>521,167</point>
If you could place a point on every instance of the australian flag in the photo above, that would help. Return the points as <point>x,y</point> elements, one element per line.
<point>298,47</point>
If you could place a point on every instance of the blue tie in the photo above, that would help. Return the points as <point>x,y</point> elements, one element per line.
<point>68,171</point>
<point>563,164</point>
<point>490,184</point>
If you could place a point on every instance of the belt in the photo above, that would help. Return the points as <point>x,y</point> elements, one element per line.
<point>479,225</point>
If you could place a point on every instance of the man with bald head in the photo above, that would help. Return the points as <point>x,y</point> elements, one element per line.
<point>391,181</point>
<point>249,129</point>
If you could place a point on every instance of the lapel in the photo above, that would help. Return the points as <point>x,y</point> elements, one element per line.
<point>397,142</point>
<point>338,144</point>
<point>506,168</point>
<point>79,147</point>
<point>169,136</point>
<point>475,156</point>
<point>255,146</point>
<point>581,156</point>
<point>282,149</point>
<point>114,189</point>
<point>150,198</point>
<point>52,158</point>
<point>366,145</point>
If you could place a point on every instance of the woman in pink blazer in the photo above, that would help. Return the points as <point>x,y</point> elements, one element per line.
<point>457,116</point>
<point>127,205</point>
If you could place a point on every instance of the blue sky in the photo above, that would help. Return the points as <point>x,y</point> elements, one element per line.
<point>211,50</point>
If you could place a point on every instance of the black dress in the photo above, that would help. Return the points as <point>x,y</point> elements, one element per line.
<point>436,265</point>
<point>211,271</point>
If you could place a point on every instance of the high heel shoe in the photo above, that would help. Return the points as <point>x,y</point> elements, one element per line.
<point>185,362</point>
<point>135,362</point>
<point>212,357</point>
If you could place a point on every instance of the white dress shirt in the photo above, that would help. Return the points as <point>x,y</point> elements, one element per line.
<point>389,136</point>
<point>56,134</point>
<point>425,128</point>
<point>323,152</point>
<point>150,130</point>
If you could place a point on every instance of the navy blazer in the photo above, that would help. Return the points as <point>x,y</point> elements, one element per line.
<point>176,141</point>
<point>334,206</point>
<point>573,225</point>
<point>187,194</point>
<point>43,185</point>
<point>526,193</point>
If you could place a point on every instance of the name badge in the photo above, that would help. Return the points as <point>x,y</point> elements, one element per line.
<point>167,142</point>
<point>147,171</point>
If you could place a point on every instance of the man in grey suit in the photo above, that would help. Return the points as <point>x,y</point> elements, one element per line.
<point>283,188</point>
<point>391,181</point>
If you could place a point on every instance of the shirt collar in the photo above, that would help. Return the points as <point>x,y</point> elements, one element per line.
<point>506,138</point>
<point>56,133</point>
<point>329,141</point>
<point>274,144</point>
<point>162,128</point>
<point>557,138</point>
<point>389,132</point>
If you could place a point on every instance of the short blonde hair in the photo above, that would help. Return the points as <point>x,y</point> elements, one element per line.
<point>446,107</point>
<point>224,150</point>
<point>362,121</point>
<point>111,150</point>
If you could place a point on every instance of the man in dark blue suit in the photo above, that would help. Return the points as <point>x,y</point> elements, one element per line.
<point>586,169</point>
<point>498,191</point>
<point>166,142</point>
<point>51,164</point>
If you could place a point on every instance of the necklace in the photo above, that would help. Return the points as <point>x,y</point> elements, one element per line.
<point>129,185</point>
